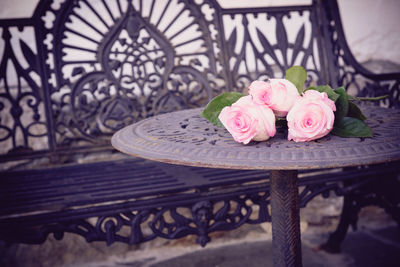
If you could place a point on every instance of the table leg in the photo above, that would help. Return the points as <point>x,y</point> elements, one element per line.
<point>285,210</point>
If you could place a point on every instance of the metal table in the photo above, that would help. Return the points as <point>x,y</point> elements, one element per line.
<point>184,137</point>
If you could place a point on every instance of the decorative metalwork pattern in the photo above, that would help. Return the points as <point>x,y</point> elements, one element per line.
<point>87,68</point>
<point>114,63</point>
<point>202,215</point>
<point>22,116</point>
<point>261,47</point>
<point>200,218</point>
<point>186,138</point>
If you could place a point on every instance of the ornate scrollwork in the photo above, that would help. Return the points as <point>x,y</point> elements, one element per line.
<point>22,115</point>
<point>114,63</point>
<point>196,218</point>
<point>255,53</point>
<point>99,65</point>
<point>202,215</point>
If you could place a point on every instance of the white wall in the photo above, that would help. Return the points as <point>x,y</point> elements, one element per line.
<point>371,26</point>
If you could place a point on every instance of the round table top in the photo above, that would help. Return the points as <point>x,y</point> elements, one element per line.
<point>186,138</point>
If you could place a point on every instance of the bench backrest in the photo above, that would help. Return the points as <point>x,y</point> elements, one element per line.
<point>77,71</point>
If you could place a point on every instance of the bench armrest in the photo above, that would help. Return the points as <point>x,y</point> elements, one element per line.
<point>352,74</point>
<point>348,55</point>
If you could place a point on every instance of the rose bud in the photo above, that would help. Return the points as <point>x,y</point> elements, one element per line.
<point>278,94</point>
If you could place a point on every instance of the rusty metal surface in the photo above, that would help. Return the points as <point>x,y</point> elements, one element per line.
<point>184,137</point>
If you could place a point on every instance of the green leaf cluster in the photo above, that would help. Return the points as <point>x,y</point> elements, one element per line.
<point>349,120</point>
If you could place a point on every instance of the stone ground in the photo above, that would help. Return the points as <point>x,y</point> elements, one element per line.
<point>375,243</point>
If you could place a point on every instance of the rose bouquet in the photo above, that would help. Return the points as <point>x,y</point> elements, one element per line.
<point>309,113</point>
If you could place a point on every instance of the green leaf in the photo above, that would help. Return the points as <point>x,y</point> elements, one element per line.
<point>355,112</point>
<point>212,110</point>
<point>342,104</point>
<point>351,127</point>
<point>325,89</point>
<point>298,76</point>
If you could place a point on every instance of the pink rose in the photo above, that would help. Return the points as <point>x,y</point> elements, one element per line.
<point>311,117</point>
<point>278,94</point>
<point>246,120</point>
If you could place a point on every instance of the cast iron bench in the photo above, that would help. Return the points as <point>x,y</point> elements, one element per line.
<point>78,71</point>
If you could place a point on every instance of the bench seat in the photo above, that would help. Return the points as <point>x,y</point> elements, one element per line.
<point>41,197</point>
<point>37,202</point>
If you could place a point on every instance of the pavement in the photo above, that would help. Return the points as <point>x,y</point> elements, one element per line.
<point>375,243</point>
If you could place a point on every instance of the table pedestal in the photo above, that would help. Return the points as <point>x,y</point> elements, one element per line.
<point>285,215</point>
<point>186,138</point>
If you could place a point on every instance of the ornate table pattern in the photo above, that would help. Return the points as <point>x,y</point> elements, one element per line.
<point>185,138</point>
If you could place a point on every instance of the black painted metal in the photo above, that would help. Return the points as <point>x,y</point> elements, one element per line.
<point>91,69</point>
<point>84,71</point>
<point>128,192</point>
<point>185,137</point>
<point>285,214</point>
<point>369,192</point>
<point>34,208</point>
